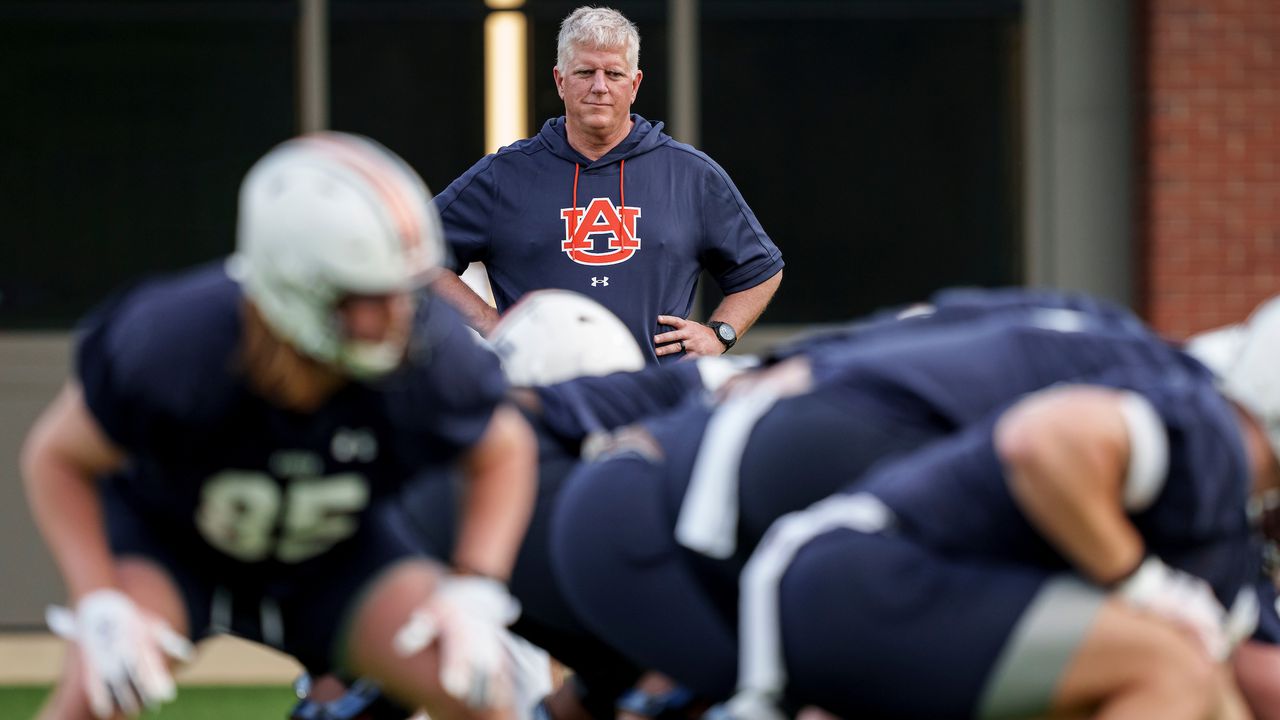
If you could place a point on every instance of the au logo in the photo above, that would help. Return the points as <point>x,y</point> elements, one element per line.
<point>615,225</point>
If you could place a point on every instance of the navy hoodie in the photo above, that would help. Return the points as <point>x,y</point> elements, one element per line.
<point>631,230</point>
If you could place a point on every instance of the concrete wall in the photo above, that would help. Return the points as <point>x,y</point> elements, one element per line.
<point>32,367</point>
<point>1079,147</point>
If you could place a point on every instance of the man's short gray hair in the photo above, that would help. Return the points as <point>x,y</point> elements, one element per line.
<point>597,28</point>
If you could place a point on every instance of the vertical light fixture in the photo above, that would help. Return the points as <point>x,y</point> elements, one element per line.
<point>505,84</point>
<point>312,78</point>
<point>506,103</point>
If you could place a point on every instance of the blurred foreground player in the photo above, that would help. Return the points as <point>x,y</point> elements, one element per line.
<point>649,545</point>
<point>229,433</point>
<point>1075,554</point>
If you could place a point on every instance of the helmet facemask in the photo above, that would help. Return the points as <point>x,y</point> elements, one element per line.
<point>366,359</point>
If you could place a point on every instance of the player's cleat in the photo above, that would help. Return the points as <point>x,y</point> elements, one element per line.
<point>361,701</point>
<point>667,704</point>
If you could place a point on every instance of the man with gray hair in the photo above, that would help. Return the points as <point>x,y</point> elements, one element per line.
<point>603,203</point>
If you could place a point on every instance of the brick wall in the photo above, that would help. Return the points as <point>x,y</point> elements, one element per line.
<point>1210,192</point>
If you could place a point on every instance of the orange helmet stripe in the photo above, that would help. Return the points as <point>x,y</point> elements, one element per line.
<point>380,173</point>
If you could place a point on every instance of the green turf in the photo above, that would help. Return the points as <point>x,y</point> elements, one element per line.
<point>193,703</point>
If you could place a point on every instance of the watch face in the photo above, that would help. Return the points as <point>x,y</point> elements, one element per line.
<point>725,332</point>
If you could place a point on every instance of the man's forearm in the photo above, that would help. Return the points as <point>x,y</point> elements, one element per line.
<point>743,308</point>
<point>475,311</point>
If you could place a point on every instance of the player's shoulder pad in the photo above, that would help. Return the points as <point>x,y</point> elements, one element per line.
<point>169,342</point>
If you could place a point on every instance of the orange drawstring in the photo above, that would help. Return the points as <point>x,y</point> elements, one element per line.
<point>573,229</point>
<point>622,192</point>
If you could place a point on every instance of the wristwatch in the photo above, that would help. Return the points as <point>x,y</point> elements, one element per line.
<point>724,333</point>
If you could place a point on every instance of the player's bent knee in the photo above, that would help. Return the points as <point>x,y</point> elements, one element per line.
<point>1185,671</point>
<point>1257,673</point>
<point>151,587</point>
<point>370,650</point>
<point>381,610</point>
<point>1175,661</point>
<point>1140,661</point>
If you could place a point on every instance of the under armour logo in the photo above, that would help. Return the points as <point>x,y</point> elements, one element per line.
<point>600,281</point>
<point>354,445</point>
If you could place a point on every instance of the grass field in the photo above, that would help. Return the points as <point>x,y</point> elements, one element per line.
<point>193,703</point>
<point>230,679</point>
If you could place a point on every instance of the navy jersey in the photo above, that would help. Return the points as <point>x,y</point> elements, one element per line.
<point>574,408</point>
<point>631,230</point>
<point>219,467</point>
<point>964,305</point>
<point>960,303</point>
<point>955,373</point>
<point>953,495</point>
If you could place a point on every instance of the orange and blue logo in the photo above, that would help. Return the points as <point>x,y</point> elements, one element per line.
<point>600,221</point>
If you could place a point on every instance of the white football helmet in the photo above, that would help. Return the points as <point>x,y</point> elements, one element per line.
<point>1216,349</point>
<point>323,216</point>
<point>1246,360</point>
<point>555,335</point>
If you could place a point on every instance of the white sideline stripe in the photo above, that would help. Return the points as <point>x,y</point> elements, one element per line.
<point>36,659</point>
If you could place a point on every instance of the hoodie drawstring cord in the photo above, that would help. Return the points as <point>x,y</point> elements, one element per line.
<point>573,214</point>
<point>622,192</point>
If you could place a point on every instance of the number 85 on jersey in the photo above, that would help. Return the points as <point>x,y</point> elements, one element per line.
<point>247,514</point>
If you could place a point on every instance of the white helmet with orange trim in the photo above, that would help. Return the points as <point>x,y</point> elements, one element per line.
<point>328,215</point>
<point>555,335</point>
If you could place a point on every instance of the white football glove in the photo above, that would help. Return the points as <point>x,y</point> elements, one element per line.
<point>122,649</point>
<point>1242,617</point>
<point>468,614</point>
<point>1181,597</point>
<point>531,674</point>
